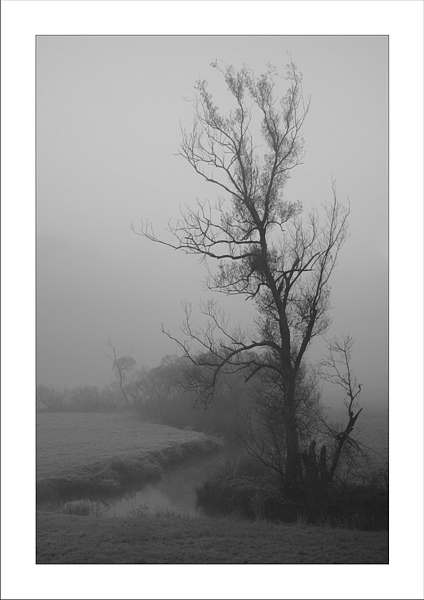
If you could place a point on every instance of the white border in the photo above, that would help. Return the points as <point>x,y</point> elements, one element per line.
<point>21,21</point>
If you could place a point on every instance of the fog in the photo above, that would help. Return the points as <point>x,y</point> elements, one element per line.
<point>109,111</point>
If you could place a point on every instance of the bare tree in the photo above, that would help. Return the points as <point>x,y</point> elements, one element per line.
<point>123,368</point>
<point>336,369</point>
<point>265,251</point>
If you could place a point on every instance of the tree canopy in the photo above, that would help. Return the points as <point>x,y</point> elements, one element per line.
<point>266,249</point>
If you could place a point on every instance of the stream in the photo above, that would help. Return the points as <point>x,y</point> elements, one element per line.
<point>175,491</point>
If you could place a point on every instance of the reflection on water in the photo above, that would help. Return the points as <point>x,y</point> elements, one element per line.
<point>174,492</point>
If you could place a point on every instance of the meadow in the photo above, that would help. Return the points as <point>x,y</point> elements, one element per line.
<point>169,539</point>
<point>81,453</point>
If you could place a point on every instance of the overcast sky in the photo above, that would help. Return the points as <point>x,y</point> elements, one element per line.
<point>109,111</point>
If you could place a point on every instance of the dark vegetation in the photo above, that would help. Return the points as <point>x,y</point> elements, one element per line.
<point>243,486</point>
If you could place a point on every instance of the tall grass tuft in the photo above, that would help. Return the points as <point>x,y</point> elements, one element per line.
<point>84,508</point>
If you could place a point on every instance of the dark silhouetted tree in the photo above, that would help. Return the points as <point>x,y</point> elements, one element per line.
<point>265,250</point>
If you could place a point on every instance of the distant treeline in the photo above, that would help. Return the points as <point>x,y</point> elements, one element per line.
<point>160,395</point>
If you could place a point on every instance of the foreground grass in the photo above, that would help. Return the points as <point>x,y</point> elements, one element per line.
<point>103,452</point>
<point>168,539</point>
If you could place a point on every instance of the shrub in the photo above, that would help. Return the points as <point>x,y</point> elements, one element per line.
<point>84,508</point>
<point>242,486</point>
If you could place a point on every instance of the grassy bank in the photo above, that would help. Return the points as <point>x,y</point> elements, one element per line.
<point>167,539</point>
<point>80,453</point>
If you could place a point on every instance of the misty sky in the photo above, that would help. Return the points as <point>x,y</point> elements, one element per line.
<point>109,111</point>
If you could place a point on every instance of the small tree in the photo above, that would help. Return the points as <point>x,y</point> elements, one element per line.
<point>159,389</point>
<point>336,369</point>
<point>265,251</point>
<point>123,368</point>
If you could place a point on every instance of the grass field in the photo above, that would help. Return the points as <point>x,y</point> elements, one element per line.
<point>167,539</point>
<point>79,453</point>
<point>102,452</point>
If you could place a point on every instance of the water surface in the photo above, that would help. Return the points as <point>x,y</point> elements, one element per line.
<point>175,491</point>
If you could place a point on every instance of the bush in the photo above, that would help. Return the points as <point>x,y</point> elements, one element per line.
<point>243,486</point>
<point>84,508</point>
<point>356,506</point>
<point>233,487</point>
